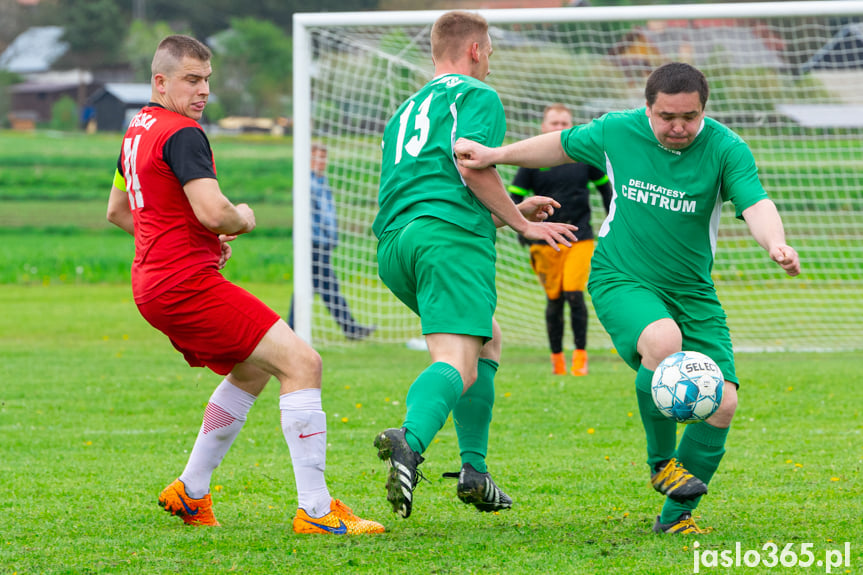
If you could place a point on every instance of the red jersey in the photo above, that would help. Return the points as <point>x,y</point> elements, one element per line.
<point>162,150</point>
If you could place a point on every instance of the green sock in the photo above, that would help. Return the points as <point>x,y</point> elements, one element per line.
<point>431,398</point>
<point>472,416</point>
<point>661,432</point>
<point>701,449</point>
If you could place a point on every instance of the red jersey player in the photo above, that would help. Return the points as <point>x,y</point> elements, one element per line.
<point>166,195</point>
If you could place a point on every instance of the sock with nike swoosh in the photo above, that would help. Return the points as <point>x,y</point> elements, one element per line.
<point>304,426</point>
<point>223,419</point>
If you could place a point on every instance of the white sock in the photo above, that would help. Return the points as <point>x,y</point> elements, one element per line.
<point>305,428</point>
<point>223,419</point>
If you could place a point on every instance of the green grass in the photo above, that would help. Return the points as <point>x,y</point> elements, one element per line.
<point>97,413</point>
<point>67,256</point>
<point>89,215</point>
<point>77,166</point>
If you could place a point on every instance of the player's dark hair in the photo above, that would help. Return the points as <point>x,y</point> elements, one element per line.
<point>179,46</point>
<point>676,78</point>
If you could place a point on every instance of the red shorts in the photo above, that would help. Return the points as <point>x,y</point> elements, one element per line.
<point>213,322</point>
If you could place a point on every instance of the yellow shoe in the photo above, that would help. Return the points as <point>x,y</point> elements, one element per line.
<point>674,481</point>
<point>558,364</point>
<point>684,525</point>
<point>193,511</point>
<point>579,362</point>
<point>339,521</point>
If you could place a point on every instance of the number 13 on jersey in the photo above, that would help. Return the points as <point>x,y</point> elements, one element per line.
<point>421,124</point>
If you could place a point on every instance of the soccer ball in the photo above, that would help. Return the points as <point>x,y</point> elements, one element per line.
<point>687,386</point>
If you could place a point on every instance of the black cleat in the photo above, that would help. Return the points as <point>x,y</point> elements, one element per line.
<point>403,474</point>
<point>677,483</point>
<point>480,490</point>
<point>684,525</point>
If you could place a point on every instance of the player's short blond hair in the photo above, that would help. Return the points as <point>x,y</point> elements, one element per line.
<point>172,49</point>
<point>453,30</point>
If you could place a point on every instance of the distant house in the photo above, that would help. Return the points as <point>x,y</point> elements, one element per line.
<point>32,55</point>
<point>643,49</point>
<point>843,52</point>
<point>114,105</point>
<point>35,99</point>
<point>838,65</point>
<point>34,51</point>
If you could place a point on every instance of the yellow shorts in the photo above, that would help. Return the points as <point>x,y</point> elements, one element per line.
<point>563,271</point>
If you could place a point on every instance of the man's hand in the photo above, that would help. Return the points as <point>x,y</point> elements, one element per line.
<point>787,258</point>
<point>248,215</point>
<point>472,155</point>
<point>226,249</point>
<point>538,208</point>
<point>551,233</point>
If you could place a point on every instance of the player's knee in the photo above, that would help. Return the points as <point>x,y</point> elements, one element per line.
<point>725,412</point>
<point>309,361</point>
<point>299,361</point>
<point>659,340</point>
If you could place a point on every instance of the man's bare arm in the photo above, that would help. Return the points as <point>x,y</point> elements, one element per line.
<point>119,212</point>
<point>215,211</point>
<point>541,151</point>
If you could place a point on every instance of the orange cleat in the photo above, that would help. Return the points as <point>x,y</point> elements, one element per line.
<point>193,511</point>
<point>579,362</point>
<point>558,364</point>
<point>339,521</point>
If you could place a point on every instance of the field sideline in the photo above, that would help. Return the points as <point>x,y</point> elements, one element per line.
<point>97,413</point>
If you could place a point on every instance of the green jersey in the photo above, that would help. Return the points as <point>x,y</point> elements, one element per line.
<point>664,216</point>
<point>419,175</point>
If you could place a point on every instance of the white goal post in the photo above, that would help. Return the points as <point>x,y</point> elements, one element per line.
<point>787,76</point>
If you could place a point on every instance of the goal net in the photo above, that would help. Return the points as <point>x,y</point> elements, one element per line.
<point>787,76</point>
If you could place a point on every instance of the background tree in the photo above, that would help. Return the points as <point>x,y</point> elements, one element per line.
<point>7,79</point>
<point>252,63</point>
<point>139,43</point>
<point>208,17</point>
<point>94,30</point>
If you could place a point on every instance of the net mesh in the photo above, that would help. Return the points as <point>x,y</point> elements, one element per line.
<point>792,87</point>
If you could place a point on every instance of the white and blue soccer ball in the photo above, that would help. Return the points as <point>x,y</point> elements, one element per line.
<point>687,386</point>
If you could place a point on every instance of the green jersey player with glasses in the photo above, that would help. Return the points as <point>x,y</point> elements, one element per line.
<point>671,168</point>
<point>436,252</point>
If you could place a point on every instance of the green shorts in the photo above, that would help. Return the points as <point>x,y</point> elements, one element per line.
<point>625,307</point>
<point>444,273</point>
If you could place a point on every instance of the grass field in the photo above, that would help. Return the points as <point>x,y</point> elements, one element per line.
<point>97,413</point>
